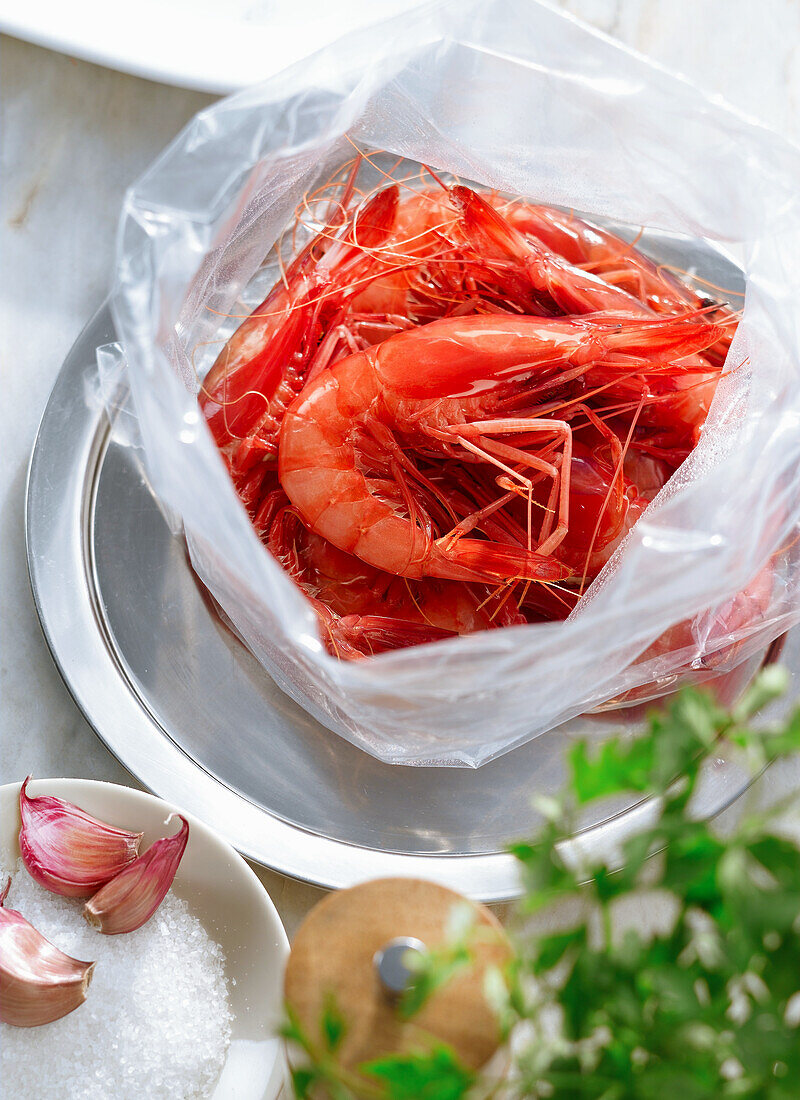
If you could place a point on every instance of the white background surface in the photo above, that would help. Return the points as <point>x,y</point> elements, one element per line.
<point>73,136</point>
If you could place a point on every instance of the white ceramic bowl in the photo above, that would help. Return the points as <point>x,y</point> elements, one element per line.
<point>225,895</point>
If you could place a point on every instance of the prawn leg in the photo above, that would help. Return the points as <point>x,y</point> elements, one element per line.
<point>482,431</point>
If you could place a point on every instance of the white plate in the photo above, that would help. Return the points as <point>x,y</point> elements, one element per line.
<point>227,898</point>
<point>211,45</point>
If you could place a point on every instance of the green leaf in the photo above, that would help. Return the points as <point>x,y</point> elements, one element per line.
<point>773,742</point>
<point>771,683</point>
<point>431,1075</point>
<point>302,1080</point>
<point>780,857</point>
<point>691,861</point>
<point>332,1025</point>
<point>433,969</point>
<point>291,1030</point>
<point>551,949</point>
<point>614,767</point>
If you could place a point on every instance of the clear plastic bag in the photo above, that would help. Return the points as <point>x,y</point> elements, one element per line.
<point>514,95</point>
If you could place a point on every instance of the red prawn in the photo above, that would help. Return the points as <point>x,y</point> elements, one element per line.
<point>452,408</point>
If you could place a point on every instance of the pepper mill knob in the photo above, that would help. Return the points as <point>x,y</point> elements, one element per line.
<point>352,951</point>
<point>391,965</point>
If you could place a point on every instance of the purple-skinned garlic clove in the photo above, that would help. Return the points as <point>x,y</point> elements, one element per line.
<point>130,899</point>
<point>67,850</point>
<point>38,982</point>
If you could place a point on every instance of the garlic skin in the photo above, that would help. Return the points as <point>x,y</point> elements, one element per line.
<point>38,983</point>
<point>67,850</point>
<point>130,899</point>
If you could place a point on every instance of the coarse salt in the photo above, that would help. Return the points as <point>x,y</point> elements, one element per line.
<point>156,1022</point>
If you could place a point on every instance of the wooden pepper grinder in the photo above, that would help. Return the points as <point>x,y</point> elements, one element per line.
<point>353,947</point>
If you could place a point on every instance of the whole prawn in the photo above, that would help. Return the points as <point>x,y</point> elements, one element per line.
<point>602,253</point>
<point>525,266</point>
<point>441,382</point>
<point>676,402</point>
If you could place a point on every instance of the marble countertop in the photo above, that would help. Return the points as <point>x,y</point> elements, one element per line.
<point>73,136</point>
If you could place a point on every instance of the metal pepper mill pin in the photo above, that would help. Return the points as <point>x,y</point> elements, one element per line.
<point>353,949</point>
<point>391,964</point>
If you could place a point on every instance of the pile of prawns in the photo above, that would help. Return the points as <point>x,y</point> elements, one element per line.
<point>452,407</point>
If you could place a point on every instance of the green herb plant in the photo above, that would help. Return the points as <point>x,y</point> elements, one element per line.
<point>667,970</point>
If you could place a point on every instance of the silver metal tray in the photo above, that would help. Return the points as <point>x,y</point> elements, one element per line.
<point>192,714</point>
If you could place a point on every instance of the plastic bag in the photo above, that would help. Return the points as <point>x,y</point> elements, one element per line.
<point>514,95</point>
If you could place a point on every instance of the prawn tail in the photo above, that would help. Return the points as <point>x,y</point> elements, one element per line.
<point>493,562</point>
<point>486,230</point>
<point>376,219</point>
<point>362,635</point>
<point>368,230</point>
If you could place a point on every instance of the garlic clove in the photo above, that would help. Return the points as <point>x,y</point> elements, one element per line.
<point>130,899</point>
<point>38,982</point>
<point>67,850</point>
